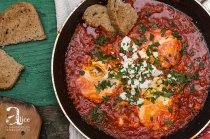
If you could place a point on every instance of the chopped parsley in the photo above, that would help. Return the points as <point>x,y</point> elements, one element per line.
<point>152,99</point>
<point>103,85</point>
<point>198,59</point>
<point>163,31</point>
<point>179,104</point>
<point>143,28</point>
<point>168,92</point>
<point>175,57</point>
<point>114,34</point>
<point>151,37</point>
<point>105,99</point>
<point>184,48</point>
<point>166,59</point>
<point>167,122</point>
<point>117,100</point>
<point>172,24</point>
<point>201,65</point>
<point>176,35</point>
<point>101,40</point>
<point>192,88</point>
<point>190,66</point>
<point>147,14</point>
<point>170,109</point>
<point>154,25</point>
<point>97,114</point>
<point>82,72</point>
<point>195,76</point>
<point>143,39</point>
<point>136,41</point>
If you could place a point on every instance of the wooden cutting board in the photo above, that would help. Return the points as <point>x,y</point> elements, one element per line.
<point>18,120</point>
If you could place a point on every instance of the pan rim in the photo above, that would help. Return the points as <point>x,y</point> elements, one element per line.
<point>52,71</point>
<point>53,81</point>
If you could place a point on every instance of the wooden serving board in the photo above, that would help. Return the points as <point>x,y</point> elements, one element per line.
<point>18,120</point>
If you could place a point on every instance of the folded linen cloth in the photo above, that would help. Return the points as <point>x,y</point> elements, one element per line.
<point>63,9</point>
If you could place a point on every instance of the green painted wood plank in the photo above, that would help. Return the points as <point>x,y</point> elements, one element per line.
<point>34,84</point>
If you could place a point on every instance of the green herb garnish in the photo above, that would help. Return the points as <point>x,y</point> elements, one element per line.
<point>201,65</point>
<point>147,14</point>
<point>99,41</point>
<point>82,72</point>
<point>192,88</point>
<point>176,35</point>
<point>170,109</point>
<point>143,28</point>
<point>179,104</point>
<point>168,122</point>
<point>151,37</point>
<point>97,114</point>
<point>163,31</point>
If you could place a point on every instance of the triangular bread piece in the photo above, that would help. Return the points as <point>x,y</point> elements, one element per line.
<point>122,16</point>
<point>97,16</point>
<point>9,71</point>
<point>20,23</point>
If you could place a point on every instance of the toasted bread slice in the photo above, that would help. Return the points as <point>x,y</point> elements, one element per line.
<point>9,71</point>
<point>97,16</point>
<point>122,16</point>
<point>20,23</point>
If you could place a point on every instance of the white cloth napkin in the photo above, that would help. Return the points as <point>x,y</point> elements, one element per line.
<point>63,9</point>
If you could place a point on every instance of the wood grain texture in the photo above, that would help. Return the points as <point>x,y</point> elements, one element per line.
<point>19,120</point>
<point>34,84</point>
<point>55,124</point>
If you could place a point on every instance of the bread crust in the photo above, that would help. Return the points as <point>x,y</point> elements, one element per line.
<point>9,71</point>
<point>20,23</point>
<point>122,16</point>
<point>97,16</point>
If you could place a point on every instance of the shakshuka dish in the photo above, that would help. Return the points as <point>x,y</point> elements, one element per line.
<point>145,84</point>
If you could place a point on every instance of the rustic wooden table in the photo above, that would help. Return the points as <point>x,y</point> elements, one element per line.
<point>34,85</point>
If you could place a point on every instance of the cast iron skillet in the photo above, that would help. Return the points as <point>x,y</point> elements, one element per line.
<point>190,7</point>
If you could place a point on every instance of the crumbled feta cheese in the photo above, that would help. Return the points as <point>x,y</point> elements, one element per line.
<point>170,77</point>
<point>164,100</point>
<point>155,71</point>
<point>135,56</point>
<point>121,54</point>
<point>133,92</point>
<point>125,44</point>
<point>145,84</point>
<point>155,54</point>
<point>135,47</point>
<point>123,96</point>
<point>143,54</point>
<point>140,101</point>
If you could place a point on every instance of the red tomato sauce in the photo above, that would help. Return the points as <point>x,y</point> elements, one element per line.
<point>185,105</point>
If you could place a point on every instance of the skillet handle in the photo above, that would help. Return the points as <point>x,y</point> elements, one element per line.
<point>205,4</point>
